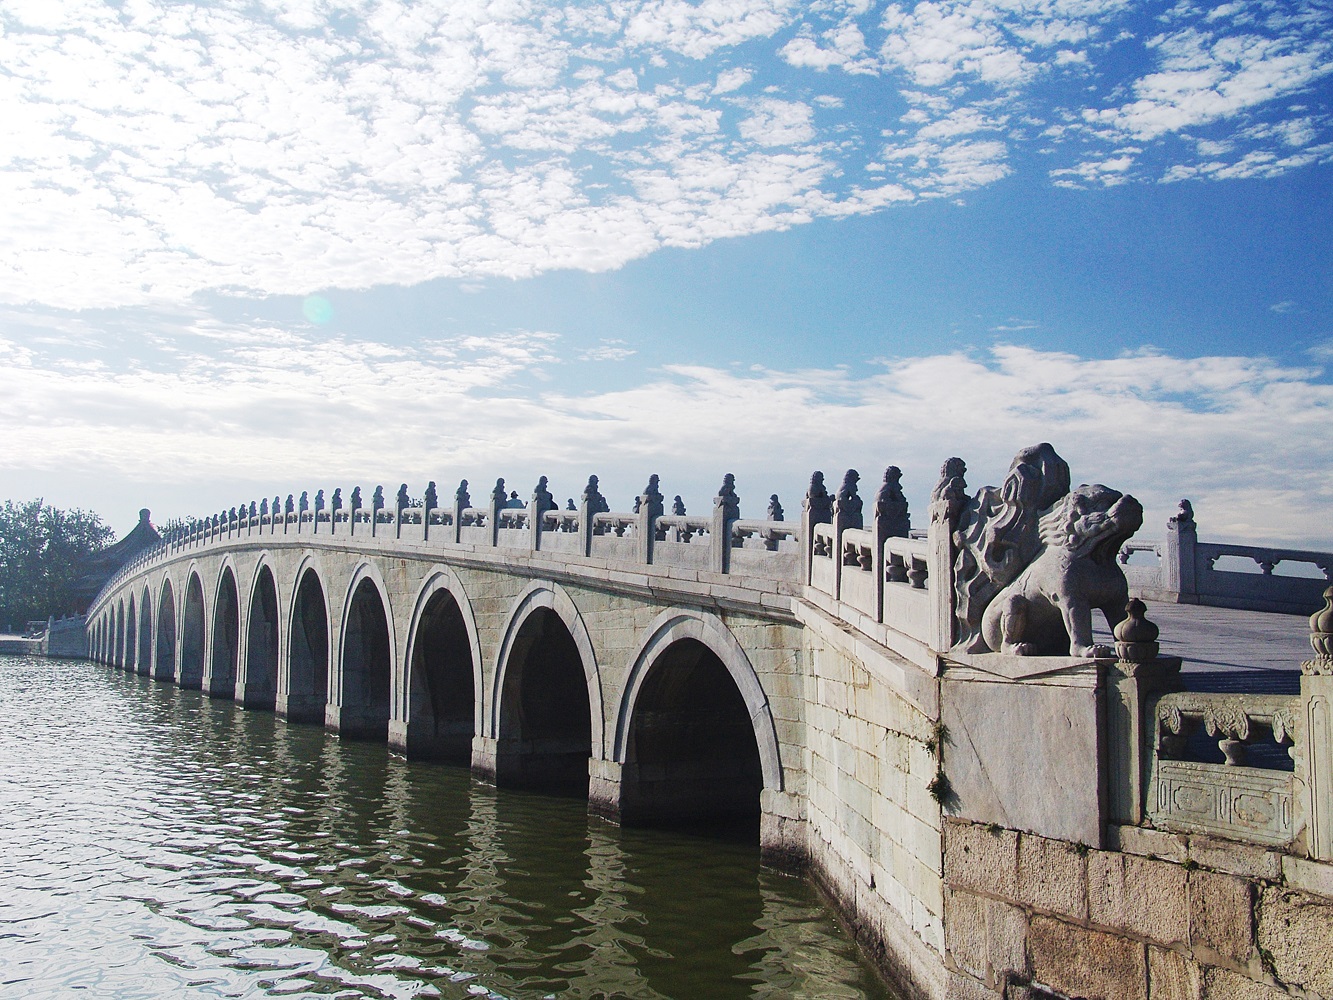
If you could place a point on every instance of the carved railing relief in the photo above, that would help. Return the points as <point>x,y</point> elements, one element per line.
<point>1233,798</point>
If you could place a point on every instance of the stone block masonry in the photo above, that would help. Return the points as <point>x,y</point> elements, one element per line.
<point>1030,916</point>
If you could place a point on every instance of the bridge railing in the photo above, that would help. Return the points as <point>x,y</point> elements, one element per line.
<point>1183,570</point>
<point>767,553</point>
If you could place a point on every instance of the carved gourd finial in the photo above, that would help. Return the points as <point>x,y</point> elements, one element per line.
<point>1321,638</point>
<point>1136,636</point>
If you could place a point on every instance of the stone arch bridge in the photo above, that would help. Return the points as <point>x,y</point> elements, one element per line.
<point>802,676</point>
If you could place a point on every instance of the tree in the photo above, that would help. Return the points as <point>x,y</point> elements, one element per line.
<point>42,553</point>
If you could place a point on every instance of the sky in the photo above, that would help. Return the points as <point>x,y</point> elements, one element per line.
<point>253,248</point>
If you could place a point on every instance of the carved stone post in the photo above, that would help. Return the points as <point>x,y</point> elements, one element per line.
<point>726,509</point>
<point>947,501</point>
<point>400,508</point>
<point>498,499</point>
<point>376,505</point>
<point>429,503</point>
<point>541,502</point>
<point>651,506</point>
<point>1138,674</point>
<point>591,503</point>
<point>1178,566</point>
<point>816,508</point>
<point>462,501</point>
<point>1317,706</point>
<point>356,506</point>
<point>846,514</point>
<point>892,520</point>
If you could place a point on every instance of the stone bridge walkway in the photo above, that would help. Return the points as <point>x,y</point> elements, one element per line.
<point>1230,650</point>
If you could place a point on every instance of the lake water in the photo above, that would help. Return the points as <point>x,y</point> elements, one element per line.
<point>156,843</point>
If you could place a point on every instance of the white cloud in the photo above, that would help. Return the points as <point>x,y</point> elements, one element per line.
<point>1244,438</point>
<point>146,155</point>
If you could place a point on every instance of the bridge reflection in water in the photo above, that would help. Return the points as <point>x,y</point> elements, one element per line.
<point>159,843</point>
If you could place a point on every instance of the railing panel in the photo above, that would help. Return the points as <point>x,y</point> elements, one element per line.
<point>1236,799</point>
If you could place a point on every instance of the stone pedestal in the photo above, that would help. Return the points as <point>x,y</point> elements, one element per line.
<point>355,723</point>
<point>300,708</point>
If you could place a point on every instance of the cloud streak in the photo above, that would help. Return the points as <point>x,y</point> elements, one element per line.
<point>1244,438</point>
<point>152,151</point>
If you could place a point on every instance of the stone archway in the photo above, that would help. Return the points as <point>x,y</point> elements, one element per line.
<point>365,664</point>
<point>164,656</point>
<point>303,696</point>
<point>259,688</point>
<point>695,740</point>
<point>226,638</point>
<point>193,635</point>
<point>546,710</point>
<point>144,662</point>
<point>440,707</point>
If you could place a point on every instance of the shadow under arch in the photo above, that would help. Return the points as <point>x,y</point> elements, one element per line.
<point>695,736</point>
<point>439,708</point>
<point>131,635</point>
<point>365,660</point>
<point>164,655</point>
<point>226,631</point>
<point>118,650</point>
<point>304,691</point>
<point>546,704</point>
<point>144,661</point>
<point>259,685</point>
<point>193,634</point>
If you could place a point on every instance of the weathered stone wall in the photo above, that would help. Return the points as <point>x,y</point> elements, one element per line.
<point>1165,916</point>
<point>874,826</point>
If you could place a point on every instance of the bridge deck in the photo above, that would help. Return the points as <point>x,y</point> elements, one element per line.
<point>1231,650</point>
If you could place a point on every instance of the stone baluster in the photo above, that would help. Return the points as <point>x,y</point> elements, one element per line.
<point>892,520</point>
<point>462,501</point>
<point>429,503</point>
<point>947,502</point>
<point>816,508</point>
<point>846,514</point>
<point>726,510</point>
<point>1178,555</point>
<point>497,503</point>
<point>376,505</point>
<point>401,503</point>
<point>591,503</point>
<point>1138,675</point>
<point>541,502</point>
<point>651,505</point>
<point>1317,708</point>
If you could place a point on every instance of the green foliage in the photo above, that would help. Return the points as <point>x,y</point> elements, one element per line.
<point>42,554</point>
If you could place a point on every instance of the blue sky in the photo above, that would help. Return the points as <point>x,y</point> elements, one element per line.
<point>254,248</point>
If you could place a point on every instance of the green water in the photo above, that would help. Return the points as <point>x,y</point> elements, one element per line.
<point>156,843</point>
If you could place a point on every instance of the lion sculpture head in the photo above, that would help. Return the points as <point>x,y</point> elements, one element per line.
<point>1091,522</point>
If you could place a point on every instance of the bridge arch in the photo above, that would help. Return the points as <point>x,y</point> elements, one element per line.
<point>193,633</point>
<point>303,682</point>
<point>118,641</point>
<point>131,635</point>
<point>144,662</point>
<point>694,736</point>
<point>257,681</point>
<point>224,651</point>
<point>546,721</point>
<point>438,707</point>
<point>164,653</point>
<point>366,658</point>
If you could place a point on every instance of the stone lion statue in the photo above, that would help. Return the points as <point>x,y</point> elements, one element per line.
<point>1047,609</point>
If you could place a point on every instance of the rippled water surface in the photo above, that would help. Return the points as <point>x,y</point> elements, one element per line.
<point>155,843</point>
